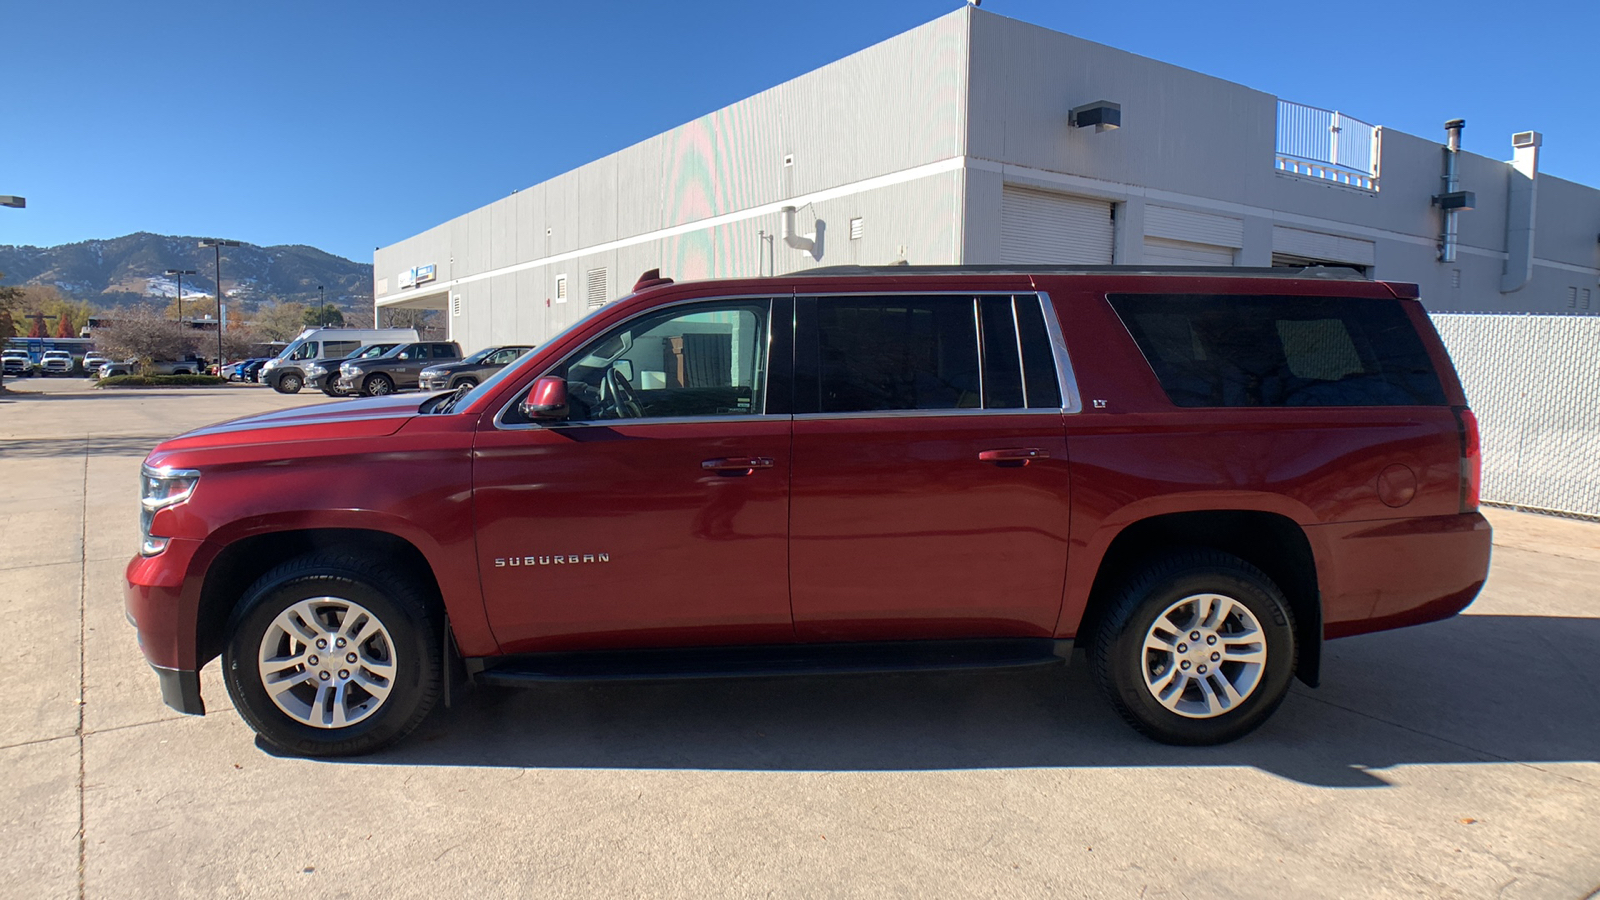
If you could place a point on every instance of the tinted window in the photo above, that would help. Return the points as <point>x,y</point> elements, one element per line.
<point>1002,360</point>
<point>1281,351</point>
<point>445,351</point>
<point>338,348</point>
<point>894,353</point>
<point>1038,356</point>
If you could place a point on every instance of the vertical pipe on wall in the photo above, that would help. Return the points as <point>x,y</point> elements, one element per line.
<point>1452,150</point>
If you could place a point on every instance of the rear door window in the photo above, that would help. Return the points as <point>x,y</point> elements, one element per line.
<point>1242,350</point>
<point>922,352</point>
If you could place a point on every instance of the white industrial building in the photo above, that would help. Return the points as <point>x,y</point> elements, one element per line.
<point>955,143</point>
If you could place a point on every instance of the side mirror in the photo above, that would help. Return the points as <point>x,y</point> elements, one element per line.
<point>547,401</point>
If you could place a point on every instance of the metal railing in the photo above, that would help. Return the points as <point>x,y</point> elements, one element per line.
<point>1328,145</point>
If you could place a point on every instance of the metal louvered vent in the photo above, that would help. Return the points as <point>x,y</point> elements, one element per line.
<point>455,304</point>
<point>596,287</point>
<point>561,288</point>
<point>855,229</point>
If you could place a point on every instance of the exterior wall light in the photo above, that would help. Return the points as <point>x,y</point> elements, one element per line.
<point>1102,114</point>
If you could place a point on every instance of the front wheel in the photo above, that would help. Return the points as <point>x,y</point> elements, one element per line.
<point>467,383</point>
<point>378,385</point>
<point>1198,648</point>
<point>290,384</point>
<point>333,655</point>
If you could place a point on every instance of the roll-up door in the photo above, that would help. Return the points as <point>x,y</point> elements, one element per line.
<point>1186,237</point>
<point>1043,228</point>
<point>1322,247</point>
<point>1166,252</point>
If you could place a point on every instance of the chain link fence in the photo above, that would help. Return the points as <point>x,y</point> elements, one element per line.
<point>1534,383</point>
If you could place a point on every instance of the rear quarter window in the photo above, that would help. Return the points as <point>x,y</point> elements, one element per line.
<point>1244,350</point>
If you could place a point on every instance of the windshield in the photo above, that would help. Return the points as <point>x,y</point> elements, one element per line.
<point>58,354</point>
<point>292,351</point>
<point>370,351</point>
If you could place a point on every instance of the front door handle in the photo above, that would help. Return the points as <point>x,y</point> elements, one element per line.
<point>1013,456</point>
<point>737,465</point>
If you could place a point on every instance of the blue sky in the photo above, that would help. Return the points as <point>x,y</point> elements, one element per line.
<point>346,125</point>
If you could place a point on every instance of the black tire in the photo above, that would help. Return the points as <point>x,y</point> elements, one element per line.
<point>330,390</point>
<point>378,385</point>
<point>290,383</point>
<point>468,382</point>
<point>1120,662</point>
<point>413,630</point>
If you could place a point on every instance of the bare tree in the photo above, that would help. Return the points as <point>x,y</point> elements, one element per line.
<point>142,334</point>
<point>279,321</point>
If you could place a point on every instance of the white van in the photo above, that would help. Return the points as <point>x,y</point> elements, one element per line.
<point>284,371</point>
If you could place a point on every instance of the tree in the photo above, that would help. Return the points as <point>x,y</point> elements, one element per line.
<point>197,306</point>
<point>8,327</point>
<point>326,316</point>
<point>279,321</point>
<point>38,329</point>
<point>64,325</point>
<point>140,333</point>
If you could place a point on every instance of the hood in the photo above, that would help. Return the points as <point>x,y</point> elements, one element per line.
<point>375,417</point>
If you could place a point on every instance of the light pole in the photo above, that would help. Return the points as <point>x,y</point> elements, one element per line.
<point>14,203</point>
<point>217,245</point>
<point>322,309</point>
<point>180,273</point>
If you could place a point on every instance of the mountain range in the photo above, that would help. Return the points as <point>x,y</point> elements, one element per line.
<point>130,269</point>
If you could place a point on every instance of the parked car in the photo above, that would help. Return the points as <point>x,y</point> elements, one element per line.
<point>55,362</point>
<point>1196,476</point>
<point>93,360</point>
<point>156,367</point>
<point>16,363</point>
<point>286,373</point>
<point>397,370</point>
<point>472,370</point>
<point>323,374</point>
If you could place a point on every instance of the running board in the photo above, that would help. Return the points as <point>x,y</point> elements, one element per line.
<point>768,661</point>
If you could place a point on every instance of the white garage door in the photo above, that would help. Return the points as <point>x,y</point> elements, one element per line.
<point>1167,252</point>
<point>1042,228</point>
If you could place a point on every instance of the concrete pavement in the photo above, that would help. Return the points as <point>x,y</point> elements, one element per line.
<point>1460,759</point>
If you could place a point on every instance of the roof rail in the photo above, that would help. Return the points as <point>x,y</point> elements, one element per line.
<point>1327,273</point>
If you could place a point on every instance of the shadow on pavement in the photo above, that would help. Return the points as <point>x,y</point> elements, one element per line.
<point>1469,690</point>
<point>111,445</point>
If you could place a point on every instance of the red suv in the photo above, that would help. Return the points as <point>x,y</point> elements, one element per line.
<point>1195,476</point>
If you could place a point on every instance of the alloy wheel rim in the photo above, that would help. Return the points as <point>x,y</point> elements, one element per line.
<point>327,662</point>
<point>379,387</point>
<point>1204,656</point>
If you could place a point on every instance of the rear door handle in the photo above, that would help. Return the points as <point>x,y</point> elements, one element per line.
<point>737,465</point>
<point>1013,455</point>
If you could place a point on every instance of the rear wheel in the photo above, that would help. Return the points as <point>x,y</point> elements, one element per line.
<point>1198,648</point>
<point>290,384</point>
<point>333,655</point>
<point>378,385</point>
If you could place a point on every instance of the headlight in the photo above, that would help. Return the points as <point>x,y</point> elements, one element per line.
<point>315,371</point>
<point>269,365</point>
<point>348,369</point>
<point>159,489</point>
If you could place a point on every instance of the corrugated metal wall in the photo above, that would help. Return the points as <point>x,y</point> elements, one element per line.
<point>821,132</point>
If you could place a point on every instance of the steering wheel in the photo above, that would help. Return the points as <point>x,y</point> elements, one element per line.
<point>623,401</point>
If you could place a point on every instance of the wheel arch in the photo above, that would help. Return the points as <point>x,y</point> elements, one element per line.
<point>1271,541</point>
<point>239,563</point>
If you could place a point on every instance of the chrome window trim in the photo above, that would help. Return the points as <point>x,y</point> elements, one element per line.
<point>925,413</point>
<point>1071,402</point>
<point>633,423</point>
<point>1022,362</point>
<point>770,297</point>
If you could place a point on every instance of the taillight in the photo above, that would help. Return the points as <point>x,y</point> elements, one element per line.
<point>1471,460</point>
